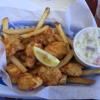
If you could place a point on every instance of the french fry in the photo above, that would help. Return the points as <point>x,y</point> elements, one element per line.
<point>61,33</point>
<point>57,37</point>
<point>15,61</point>
<point>66,59</point>
<point>90,72</point>
<point>79,80</point>
<point>43,17</point>
<point>18,31</point>
<point>37,32</point>
<point>5,25</point>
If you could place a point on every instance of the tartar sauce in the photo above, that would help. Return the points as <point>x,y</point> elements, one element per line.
<point>88,46</point>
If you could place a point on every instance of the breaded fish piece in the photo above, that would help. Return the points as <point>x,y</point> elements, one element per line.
<point>28,82</point>
<point>13,70</point>
<point>30,62</point>
<point>29,48</point>
<point>12,44</point>
<point>58,49</point>
<point>72,69</point>
<point>50,76</point>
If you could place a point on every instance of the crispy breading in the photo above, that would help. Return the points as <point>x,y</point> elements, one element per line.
<point>30,62</point>
<point>29,82</point>
<point>50,76</point>
<point>72,69</point>
<point>13,70</point>
<point>58,49</point>
<point>12,44</point>
<point>63,80</point>
<point>29,48</point>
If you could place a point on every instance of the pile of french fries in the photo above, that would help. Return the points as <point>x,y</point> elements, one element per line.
<point>27,33</point>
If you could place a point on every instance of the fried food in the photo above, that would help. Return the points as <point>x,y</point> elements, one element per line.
<point>43,18</point>
<point>28,82</point>
<point>90,72</point>
<point>5,23</point>
<point>17,62</point>
<point>58,49</point>
<point>45,38</point>
<point>50,76</point>
<point>72,69</point>
<point>63,80</point>
<point>29,51</point>
<point>66,59</point>
<point>62,34</point>
<point>12,44</point>
<point>78,80</point>
<point>41,55</point>
<point>34,33</point>
<point>13,70</point>
<point>30,62</point>
<point>18,31</point>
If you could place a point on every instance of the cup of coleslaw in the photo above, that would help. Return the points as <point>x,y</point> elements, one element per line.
<point>86,46</point>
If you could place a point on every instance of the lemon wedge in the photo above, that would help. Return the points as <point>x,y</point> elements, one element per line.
<point>45,58</point>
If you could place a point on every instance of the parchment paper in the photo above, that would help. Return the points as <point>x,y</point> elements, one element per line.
<point>74,17</point>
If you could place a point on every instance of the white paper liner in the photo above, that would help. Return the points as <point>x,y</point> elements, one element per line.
<point>72,19</point>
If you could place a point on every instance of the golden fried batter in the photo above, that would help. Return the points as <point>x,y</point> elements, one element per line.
<point>29,49</point>
<point>29,82</point>
<point>30,62</point>
<point>30,58</point>
<point>63,80</point>
<point>50,76</point>
<point>13,71</point>
<point>58,49</point>
<point>12,44</point>
<point>72,69</point>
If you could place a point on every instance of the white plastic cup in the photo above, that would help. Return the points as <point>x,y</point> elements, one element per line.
<point>77,38</point>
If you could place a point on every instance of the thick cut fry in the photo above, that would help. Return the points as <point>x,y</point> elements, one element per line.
<point>66,59</point>
<point>18,31</point>
<point>78,80</point>
<point>37,32</point>
<point>90,72</point>
<point>5,23</point>
<point>15,61</point>
<point>43,17</point>
<point>61,33</point>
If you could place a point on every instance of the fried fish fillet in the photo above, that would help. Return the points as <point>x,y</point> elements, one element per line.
<point>58,49</point>
<point>72,69</point>
<point>28,82</point>
<point>50,76</point>
<point>12,44</point>
<point>13,70</point>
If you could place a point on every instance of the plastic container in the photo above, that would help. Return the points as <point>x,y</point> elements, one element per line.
<point>86,47</point>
